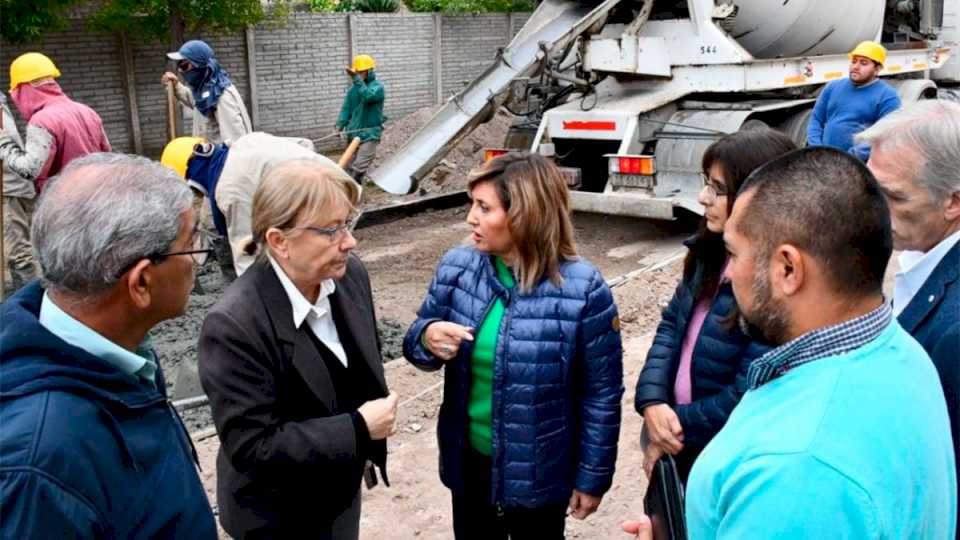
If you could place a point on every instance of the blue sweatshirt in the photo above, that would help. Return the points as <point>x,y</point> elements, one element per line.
<point>88,451</point>
<point>849,446</point>
<point>845,109</point>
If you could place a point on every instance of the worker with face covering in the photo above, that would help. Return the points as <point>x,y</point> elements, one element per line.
<point>59,129</point>
<point>219,112</point>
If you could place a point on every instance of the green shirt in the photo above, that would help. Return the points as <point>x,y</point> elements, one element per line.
<point>480,405</point>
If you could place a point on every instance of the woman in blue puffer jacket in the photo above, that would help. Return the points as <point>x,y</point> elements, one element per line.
<point>695,372</point>
<point>530,339</point>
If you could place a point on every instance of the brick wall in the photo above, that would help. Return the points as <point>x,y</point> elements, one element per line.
<point>469,45</point>
<point>299,74</point>
<point>403,47</point>
<point>99,83</point>
<point>298,63</point>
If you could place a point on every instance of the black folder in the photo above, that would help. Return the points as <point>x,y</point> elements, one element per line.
<point>664,501</point>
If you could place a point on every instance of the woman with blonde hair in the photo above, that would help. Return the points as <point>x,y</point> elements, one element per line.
<point>529,336</point>
<point>290,360</point>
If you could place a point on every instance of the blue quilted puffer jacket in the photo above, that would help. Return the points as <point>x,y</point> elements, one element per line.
<point>558,379</point>
<point>721,358</point>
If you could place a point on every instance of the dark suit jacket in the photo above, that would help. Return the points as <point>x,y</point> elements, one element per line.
<point>933,318</point>
<point>290,458</point>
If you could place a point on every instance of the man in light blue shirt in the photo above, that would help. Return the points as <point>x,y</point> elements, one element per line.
<point>843,432</point>
<point>140,364</point>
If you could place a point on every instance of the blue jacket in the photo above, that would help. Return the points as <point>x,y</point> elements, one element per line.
<point>87,451</point>
<point>844,109</point>
<point>933,319</point>
<point>558,379</point>
<point>719,366</point>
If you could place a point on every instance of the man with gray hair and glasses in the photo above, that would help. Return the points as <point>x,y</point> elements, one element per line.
<point>916,159</point>
<point>91,447</point>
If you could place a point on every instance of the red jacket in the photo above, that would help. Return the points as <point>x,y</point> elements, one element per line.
<point>75,128</point>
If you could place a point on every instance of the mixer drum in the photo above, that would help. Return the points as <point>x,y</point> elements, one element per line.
<point>774,28</point>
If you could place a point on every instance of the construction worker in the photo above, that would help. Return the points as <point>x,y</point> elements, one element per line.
<point>228,174</point>
<point>362,114</point>
<point>59,129</point>
<point>848,106</point>
<point>210,92</point>
<point>19,201</point>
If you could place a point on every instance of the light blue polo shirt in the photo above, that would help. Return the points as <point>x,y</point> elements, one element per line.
<point>851,446</point>
<point>141,365</point>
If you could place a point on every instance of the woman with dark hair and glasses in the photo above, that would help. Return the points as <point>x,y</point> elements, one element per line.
<point>290,360</point>
<point>530,339</point>
<point>695,371</point>
<point>219,114</point>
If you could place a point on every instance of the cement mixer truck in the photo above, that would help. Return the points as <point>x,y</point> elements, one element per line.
<point>625,95</point>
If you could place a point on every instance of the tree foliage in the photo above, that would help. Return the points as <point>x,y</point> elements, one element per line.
<point>364,6</point>
<point>471,6</point>
<point>24,21</point>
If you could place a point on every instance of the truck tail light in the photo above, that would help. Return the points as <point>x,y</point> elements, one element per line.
<point>639,165</point>
<point>490,153</point>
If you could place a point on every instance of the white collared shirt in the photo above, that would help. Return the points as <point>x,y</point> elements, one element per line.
<point>318,315</point>
<point>916,267</point>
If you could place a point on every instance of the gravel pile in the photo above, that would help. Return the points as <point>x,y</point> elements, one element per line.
<point>451,173</point>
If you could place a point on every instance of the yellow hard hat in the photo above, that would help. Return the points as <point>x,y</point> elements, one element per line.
<point>178,152</point>
<point>870,49</point>
<point>363,62</point>
<point>29,67</point>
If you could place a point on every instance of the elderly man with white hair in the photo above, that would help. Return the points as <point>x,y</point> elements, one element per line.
<point>91,448</point>
<point>916,159</point>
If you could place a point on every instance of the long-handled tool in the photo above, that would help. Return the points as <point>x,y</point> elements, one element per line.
<point>349,152</point>
<point>171,111</point>
<point>339,133</point>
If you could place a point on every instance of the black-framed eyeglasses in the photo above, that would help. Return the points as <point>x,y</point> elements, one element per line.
<point>199,251</point>
<point>337,233</point>
<point>714,188</point>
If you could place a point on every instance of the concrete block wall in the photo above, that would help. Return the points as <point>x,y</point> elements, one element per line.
<point>469,45</point>
<point>403,47</point>
<point>91,73</point>
<point>300,72</point>
<point>298,65</point>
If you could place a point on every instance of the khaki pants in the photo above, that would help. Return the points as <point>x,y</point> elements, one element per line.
<point>18,254</point>
<point>362,160</point>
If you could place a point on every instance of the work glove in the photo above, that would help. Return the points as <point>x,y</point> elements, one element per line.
<point>7,140</point>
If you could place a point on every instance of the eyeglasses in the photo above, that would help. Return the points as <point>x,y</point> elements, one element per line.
<point>714,187</point>
<point>184,65</point>
<point>337,233</point>
<point>200,251</point>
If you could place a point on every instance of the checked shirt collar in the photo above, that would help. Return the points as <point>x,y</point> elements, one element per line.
<point>828,341</point>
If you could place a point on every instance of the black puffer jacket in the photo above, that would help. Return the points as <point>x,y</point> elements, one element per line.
<point>719,366</point>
